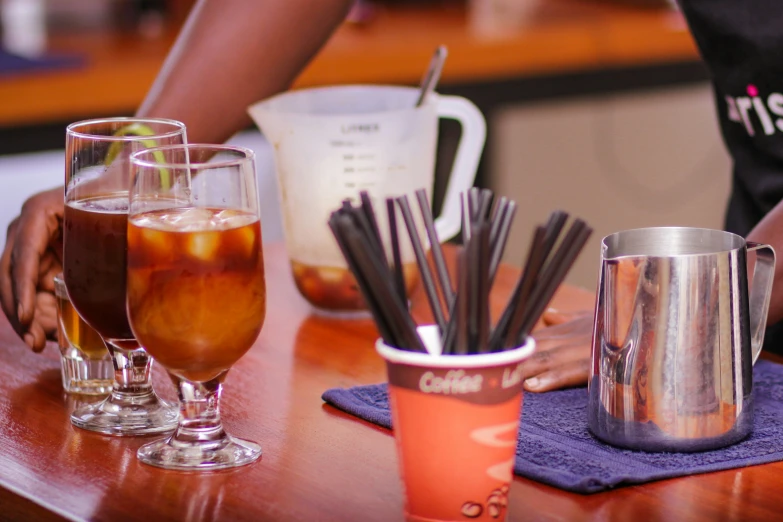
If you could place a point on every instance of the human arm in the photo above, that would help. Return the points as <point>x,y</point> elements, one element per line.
<point>232,53</point>
<point>229,54</point>
<point>770,231</point>
<point>30,260</point>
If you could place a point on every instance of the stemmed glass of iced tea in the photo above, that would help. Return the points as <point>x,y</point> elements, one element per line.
<point>97,181</point>
<point>196,289</point>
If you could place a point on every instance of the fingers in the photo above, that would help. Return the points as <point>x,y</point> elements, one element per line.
<point>574,373</point>
<point>553,316</point>
<point>542,361</point>
<point>35,337</point>
<point>38,224</point>
<point>44,323</point>
<point>46,314</point>
<point>50,267</point>
<point>558,367</point>
<point>31,257</point>
<point>6,286</point>
<point>549,345</point>
<point>565,333</point>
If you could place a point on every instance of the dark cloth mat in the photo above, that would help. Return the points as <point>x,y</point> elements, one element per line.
<point>12,65</point>
<point>555,447</point>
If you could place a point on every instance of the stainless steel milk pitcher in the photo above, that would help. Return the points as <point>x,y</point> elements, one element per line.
<point>676,334</point>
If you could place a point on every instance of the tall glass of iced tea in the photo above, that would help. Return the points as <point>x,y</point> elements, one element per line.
<point>196,289</point>
<point>97,181</point>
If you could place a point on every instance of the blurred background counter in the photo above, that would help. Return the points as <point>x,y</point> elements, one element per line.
<point>600,107</point>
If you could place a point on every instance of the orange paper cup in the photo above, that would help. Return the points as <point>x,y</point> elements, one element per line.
<point>455,419</point>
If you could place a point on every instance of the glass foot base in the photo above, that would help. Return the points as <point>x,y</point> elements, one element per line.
<point>127,416</point>
<point>199,456</point>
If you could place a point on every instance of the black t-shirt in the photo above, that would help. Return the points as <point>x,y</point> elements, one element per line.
<point>741,42</point>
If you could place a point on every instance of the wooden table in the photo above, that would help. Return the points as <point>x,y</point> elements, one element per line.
<point>560,36</point>
<point>318,463</point>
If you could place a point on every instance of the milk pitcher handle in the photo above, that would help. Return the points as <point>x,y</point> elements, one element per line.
<point>760,294</point>
<point>466,160</point>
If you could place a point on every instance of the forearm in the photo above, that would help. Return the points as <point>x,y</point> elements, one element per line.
<point>770,232</point>
<point>231,53</point>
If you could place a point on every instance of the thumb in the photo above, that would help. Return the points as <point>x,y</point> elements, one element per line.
<point>34,232</point>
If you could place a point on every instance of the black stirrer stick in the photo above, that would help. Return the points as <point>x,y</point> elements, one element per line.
<point>547,279</point>
<point>552,230</point>
<point>499,246</point>
<point>449,336</point>
<point>563,259</point>
<point>473,276</point>
<point>447,339</point>
<point>497,219</point>
<point>364,226</point>
<point>437,251</point>
<point>465,219</point>
<point>554,226</point>
<point>518,315</point>
<point>529,315</point>
<point>397,313</point>
<point>387,333</point>
<point>555,261</point>
<point>377,276</point>
<point>424,267</point>
<point>482,298</point>
<point>461,312</point>
<point>485,203</point>
<point>473,204</point>
<point>518,300</point>
<point>369,213</point>
<point>399,276</point>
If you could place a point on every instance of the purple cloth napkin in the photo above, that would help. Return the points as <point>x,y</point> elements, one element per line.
<point>555,447</point>
<point>11,64</point>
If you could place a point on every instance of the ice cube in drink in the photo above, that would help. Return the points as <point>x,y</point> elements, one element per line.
<point>196,289</point>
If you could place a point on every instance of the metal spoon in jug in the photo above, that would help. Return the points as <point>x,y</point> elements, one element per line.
<point>432,75</point>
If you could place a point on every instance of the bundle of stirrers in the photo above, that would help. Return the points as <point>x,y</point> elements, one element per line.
<point>462,314</point>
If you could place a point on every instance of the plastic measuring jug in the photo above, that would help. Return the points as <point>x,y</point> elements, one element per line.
<point>330,143</point>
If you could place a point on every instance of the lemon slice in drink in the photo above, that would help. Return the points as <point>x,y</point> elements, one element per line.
<point>139,129</point>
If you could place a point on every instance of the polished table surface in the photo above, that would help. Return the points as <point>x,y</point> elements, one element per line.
<point>318,463</point>
<point>558,36</point>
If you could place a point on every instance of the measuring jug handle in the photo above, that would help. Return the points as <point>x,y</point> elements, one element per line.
<point>760,294</point>
<point>466,160</point>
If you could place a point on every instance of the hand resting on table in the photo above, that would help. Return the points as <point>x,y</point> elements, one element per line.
<point>562,357</point>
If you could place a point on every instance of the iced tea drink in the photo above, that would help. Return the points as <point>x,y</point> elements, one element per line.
<point>196,289</point>
<point>95,231</point>
<point>73,331</point>
<point>86,366</point>
<point>98,180</point>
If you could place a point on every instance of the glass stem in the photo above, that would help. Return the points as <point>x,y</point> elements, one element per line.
<point>199,419</point>
<point>132,367</point>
